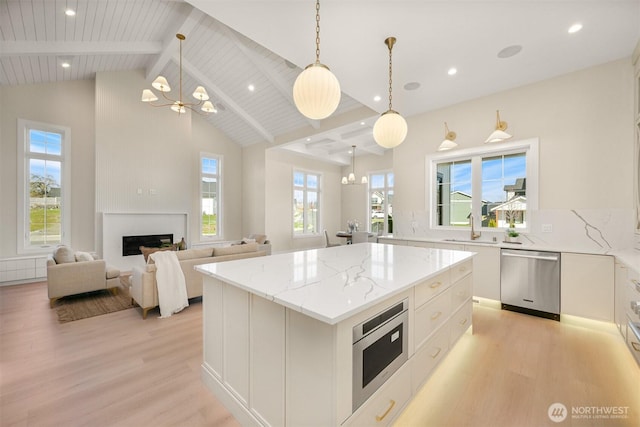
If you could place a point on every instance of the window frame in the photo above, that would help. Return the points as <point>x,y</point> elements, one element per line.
<point>304,188</point>
<point>386,188</point>
<point>23,180</point>
<point>476,154</point>
<point>220,208</point>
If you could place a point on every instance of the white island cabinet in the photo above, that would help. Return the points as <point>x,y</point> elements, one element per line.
<point>278,330</point>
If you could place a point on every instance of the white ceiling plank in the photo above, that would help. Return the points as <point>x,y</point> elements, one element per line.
<point>39,20</point>
<point>227,100</point>
<point>28,48</point>
<point>6,24</point>
<point>168,48</point>
<point>282,86</point>
<point>26,9</point>
<point>15,15</point>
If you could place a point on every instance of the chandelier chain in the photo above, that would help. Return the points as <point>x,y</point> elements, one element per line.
<point>317,31</point>
<point>390,77</point>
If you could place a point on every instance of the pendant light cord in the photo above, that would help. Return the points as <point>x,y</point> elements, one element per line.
<point>317,32</point>
<point>390,75</point>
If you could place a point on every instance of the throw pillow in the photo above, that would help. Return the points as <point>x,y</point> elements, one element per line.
<point>148,251</point>
<point>237,249</point>
<point>64,254</point>
<point>259,238</point>
<point>83,256</point>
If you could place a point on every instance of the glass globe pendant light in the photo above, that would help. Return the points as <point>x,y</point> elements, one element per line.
<point>316,91</point>
<point>390,129</point>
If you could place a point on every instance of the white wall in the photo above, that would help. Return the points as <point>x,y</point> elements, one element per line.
<point>584,121</point>
<point>68,104</point>
<point>253,190</point>
<point>279,199</point>
<point>147,159</point>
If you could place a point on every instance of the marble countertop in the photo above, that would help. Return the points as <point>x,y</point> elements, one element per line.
<point>523,245</point>
<point>332,284</point>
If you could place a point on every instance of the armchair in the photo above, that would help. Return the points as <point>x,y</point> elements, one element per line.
<point>70,273</point>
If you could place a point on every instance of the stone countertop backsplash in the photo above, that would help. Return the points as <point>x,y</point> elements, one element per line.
<point>586,231</point>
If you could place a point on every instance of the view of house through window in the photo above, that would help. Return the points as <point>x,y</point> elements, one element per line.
<point>44,158</point>
<point>504,192</point>
<point>453,204</point>
<point>499,186</point>
<point>381,202</point>
<point>306,197</point>
<point>209,195</point>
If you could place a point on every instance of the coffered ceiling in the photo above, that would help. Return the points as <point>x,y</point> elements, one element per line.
<point>233,44</point>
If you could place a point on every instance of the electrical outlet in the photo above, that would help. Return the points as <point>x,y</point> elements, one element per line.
<point>547,228</point>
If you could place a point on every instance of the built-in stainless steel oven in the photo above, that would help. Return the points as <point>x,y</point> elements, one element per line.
<point>379,349</point>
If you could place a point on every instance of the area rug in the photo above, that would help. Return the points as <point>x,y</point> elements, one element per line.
<point>91,304</point>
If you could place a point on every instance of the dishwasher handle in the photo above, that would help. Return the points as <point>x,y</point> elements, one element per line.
<point>540,257</point>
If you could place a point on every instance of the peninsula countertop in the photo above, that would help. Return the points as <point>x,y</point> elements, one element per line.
<point>333,284</point>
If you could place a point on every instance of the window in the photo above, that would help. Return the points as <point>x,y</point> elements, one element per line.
<point>44,202</point>
<point>497,185</point>
<point>210,196</point>
<point>381,202</point>
<point>306,203</point>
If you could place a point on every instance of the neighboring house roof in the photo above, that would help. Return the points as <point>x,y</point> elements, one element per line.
<point>518,203</point>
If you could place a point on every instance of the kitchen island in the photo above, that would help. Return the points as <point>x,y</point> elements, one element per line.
<point>279,330</point>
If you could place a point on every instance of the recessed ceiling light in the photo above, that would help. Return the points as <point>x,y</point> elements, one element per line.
<point>411,86</point>
<point>308,139</point>
<point>575,28</point>
<point>70,12</point>
<point>65,64</point>
<point>377,98</point>
<point>510,51</point>
<point>452,71</point>
<point>251,88</point>
<point>362,123</point>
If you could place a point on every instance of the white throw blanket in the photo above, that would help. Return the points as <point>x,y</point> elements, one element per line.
<point>172,288</point>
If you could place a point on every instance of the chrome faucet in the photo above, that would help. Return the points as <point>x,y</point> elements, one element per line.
<point>474,236</point>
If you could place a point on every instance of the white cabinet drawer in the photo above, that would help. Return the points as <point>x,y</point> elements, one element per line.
<point>633,343</point>
<point>460,322</point>
<point>432,287</point>
<point>431,315</point>
<point>461,270</point>
<point>428,356</point>
<point>461,291</point>
<point>386,403</point>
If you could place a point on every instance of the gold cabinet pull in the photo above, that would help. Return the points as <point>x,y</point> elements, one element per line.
<point>433,356</point>
<point>635,346</point>
<point>435,316</point>
<point>435,285</point>
<point>392,403</point>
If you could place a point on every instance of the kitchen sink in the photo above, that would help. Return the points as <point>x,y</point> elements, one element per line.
<point>470,241</point>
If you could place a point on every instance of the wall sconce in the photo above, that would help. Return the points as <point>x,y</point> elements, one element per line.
<point>449,138</point>
<point>499,134</point>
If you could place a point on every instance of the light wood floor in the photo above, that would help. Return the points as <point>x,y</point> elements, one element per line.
<point>118,370</point>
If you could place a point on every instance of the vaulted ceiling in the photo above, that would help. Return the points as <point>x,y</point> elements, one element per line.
<point>233,44</point>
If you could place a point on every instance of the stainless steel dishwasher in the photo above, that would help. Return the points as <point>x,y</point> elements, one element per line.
<point>530,282</point>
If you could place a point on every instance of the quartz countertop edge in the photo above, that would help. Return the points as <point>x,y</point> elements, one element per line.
<point>526,245</point>
<point>333,284</point>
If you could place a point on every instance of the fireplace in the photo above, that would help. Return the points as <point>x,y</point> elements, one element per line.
<point>131,244</point>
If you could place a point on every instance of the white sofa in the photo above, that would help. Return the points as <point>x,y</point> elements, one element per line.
<point>144,290</point>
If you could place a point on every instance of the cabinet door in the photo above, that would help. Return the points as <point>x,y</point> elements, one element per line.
<point>586,286</point>
<point>486,271</point>
<point>620,296</point>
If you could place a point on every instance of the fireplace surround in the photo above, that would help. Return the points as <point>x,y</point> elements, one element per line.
<point>131,244</point>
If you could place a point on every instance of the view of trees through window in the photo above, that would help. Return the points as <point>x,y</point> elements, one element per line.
<point>502,191</point>
<point>44,154</point>
<point>306,195</point>
<point>209,195</point>
<point>381,202</point>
